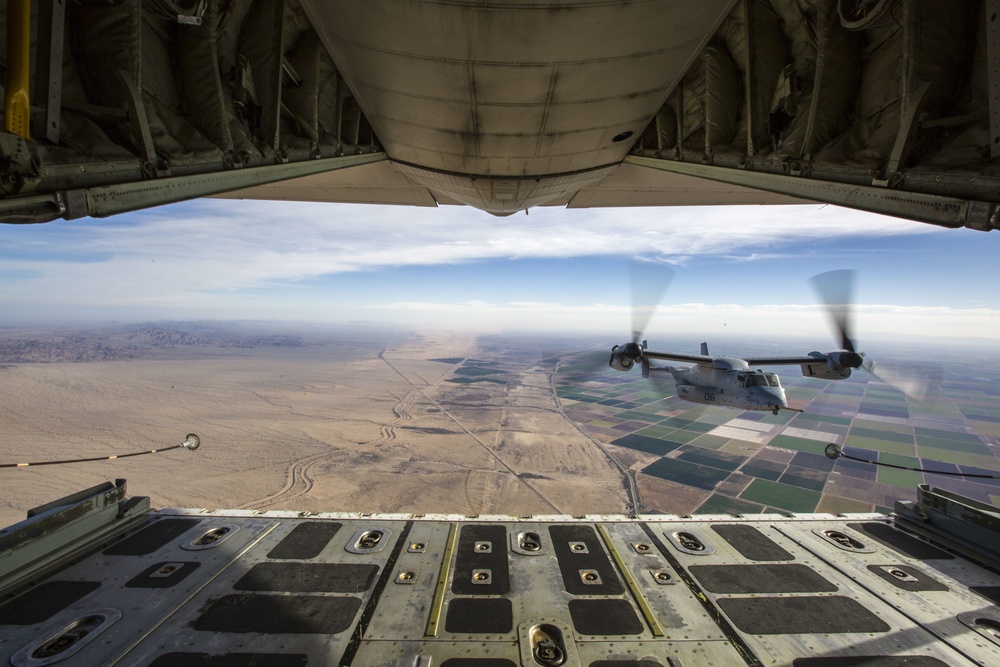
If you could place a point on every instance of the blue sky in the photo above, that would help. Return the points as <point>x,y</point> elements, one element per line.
<point>456,267</point>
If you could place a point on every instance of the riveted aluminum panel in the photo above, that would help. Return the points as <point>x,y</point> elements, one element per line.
<point>240,601</point>
<point>501,88</point>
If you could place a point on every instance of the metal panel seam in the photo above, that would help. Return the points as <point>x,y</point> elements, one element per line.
<point>442,584</point>
<point>714,613</point>
<point>640,599</point>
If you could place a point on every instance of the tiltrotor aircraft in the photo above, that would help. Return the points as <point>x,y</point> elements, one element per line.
<point>730,381</point>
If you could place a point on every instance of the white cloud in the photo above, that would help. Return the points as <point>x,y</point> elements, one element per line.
<point>871,322</point>
<point>231,258</point>
<point>233,244</point>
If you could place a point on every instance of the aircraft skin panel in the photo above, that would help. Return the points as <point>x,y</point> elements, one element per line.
<point>886,107</point>
<point>630,185</point>
<point>625,186</point>
<point>377,183</point>
<point>511,89</point>
<point>505,196</point>
<point>100,578</point>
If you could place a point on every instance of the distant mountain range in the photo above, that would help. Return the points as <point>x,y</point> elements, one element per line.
<point>134,341</point>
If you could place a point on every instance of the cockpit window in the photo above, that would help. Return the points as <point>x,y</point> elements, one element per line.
<point>758,379</point>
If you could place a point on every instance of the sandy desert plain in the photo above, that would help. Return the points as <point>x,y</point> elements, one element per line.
<point>359,422</point>
<point>365,419</point>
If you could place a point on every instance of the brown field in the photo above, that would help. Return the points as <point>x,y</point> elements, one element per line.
<point>325,427</point>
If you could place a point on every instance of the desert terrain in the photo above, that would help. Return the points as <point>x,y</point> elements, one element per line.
<point>354,421</point>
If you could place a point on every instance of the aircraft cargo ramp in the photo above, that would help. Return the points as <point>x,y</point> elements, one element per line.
<point>98,578</point>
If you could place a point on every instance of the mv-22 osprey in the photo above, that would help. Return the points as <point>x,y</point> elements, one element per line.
<point>730,381</point>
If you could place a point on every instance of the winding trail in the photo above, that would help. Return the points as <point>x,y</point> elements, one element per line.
<point>299,480</point>
<point>299,483</point>
<point>388,432</point>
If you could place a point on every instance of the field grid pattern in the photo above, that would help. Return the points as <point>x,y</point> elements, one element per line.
<point>691,458</point>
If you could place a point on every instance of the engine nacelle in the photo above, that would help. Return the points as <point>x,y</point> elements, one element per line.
<point>623,357</point>
<point>832,366</point>
<point>825,372</point>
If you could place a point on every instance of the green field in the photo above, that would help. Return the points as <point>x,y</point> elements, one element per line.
<point>961,458</point>
<point>680,435</point>
<point>880,445</point>
<point>475,371</point>
<point>780,418</point>
<point>823,427</point>
<point>954,445</point>
<point>707,457</point>
<point>804,478</point>
<point>690,474</point>
<point>698,427</point>
<point>782,496</point>
<point>882,427</point>
<point>881,435</point>
<point>701,461</point>
<point>885,394</point>
<point>646,444</point>
<point>637,416</point>
<point>655,431</point>
<point>989,429</point>
<point>764,469</point>
<point>798,444</point>
<point>906,479</point>
<point>939,409</point>
<point>822,419</point>
<point>474,380</point>
<point>710,441</point>
<point>838,399</point>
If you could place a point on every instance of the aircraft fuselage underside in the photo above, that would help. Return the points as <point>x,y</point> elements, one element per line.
<point>892,107</point>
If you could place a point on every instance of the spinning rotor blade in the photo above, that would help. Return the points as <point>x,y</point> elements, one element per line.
<point>835,288</point>
<point>918,383</point>
<point>649,282</point>
<point>662,382</point>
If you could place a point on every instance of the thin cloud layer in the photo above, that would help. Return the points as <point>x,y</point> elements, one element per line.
<point>880,322</point>
<point>281,260</point>
<point>229,245</point>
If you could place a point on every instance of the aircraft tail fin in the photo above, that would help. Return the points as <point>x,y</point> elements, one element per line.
<point>704,349</point>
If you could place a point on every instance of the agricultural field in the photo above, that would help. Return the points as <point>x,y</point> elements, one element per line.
<point>690,458</point>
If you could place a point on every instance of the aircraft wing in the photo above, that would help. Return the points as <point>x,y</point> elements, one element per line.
<point>785,361</point>
<point>503,106</point>
<point>676,356</point>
